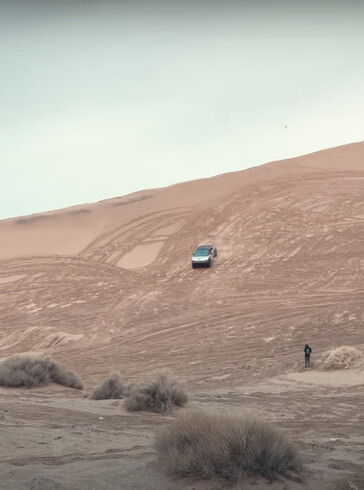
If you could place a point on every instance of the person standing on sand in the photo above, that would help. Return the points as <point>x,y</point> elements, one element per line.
<point>307,351</point>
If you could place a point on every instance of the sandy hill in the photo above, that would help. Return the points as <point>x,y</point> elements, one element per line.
<point>290,266</point>
<point>110,286</point>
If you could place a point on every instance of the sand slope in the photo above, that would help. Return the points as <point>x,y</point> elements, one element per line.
<point>109,286</point>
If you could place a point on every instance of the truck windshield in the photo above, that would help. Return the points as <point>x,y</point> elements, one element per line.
<point>202,252</point>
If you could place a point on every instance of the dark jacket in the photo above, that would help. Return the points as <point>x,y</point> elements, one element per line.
<point>307,350</point>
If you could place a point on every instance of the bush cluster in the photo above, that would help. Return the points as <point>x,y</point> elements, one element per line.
<point>210,444</point>
<point>341,357</point>
<point>158,395</point>
<point>112,387</point>
<point>28,371</point>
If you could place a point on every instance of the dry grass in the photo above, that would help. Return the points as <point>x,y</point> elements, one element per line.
<point>27,371</point>
<point>159,395</point>
<point>210,444</point>
<point>340,358</point>
<point>111,388</point>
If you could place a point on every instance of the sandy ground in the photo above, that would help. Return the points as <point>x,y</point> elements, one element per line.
<point>109,286</point>
<point>54,438</point>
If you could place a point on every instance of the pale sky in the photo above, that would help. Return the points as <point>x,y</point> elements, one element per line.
<point>99,98</point>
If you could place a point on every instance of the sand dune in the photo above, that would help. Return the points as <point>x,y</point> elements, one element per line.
<point>109,286</point>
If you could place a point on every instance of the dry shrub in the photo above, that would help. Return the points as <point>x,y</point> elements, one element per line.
<point>341,357</point>
<point>111,388</point>
<point>27,371</point>
<point>159,395</point>
<point>210,444</point>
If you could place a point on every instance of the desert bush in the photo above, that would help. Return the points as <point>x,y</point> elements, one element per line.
<point>340,358</point>
<point>211,444</point>
<point>28,371</point>
<point>111,387</point>
<point>158,395</point>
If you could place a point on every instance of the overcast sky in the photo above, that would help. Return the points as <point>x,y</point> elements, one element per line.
<point>103,98</point>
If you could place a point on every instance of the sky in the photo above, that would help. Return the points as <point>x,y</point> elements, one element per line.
<point>102,98</point>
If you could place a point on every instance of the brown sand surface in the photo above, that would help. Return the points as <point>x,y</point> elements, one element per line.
<point>109,286</point>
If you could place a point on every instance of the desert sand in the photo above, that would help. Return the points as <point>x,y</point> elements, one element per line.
<point>109,287</point>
